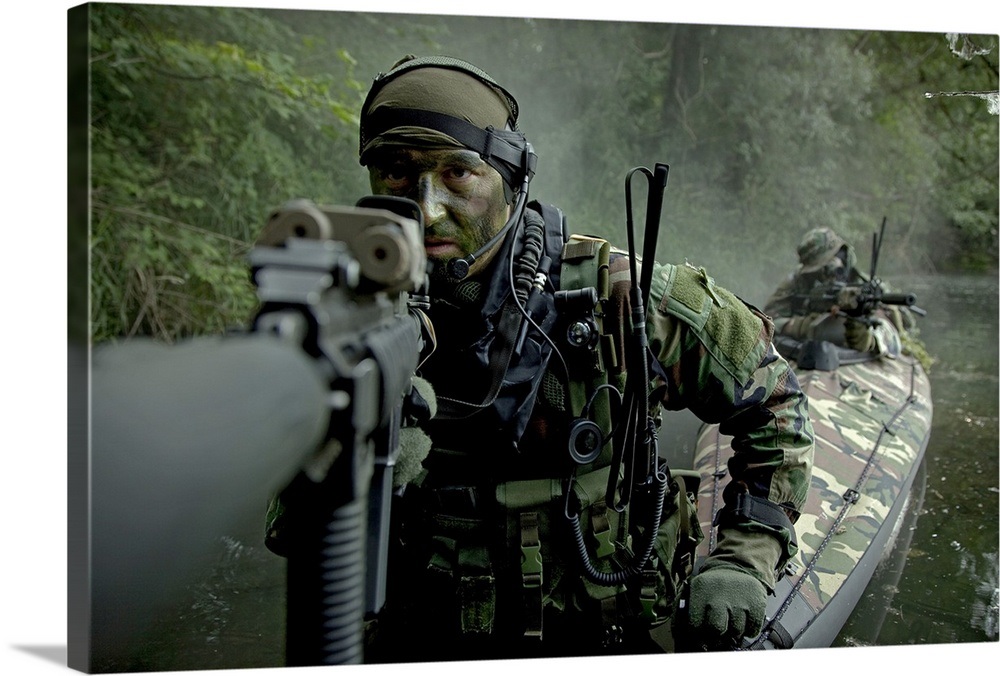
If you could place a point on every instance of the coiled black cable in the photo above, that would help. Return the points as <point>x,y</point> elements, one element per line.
<point>618,577</point>
<point>532,246</point>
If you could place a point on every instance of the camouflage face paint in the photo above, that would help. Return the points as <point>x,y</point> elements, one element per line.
<point>461,197</point>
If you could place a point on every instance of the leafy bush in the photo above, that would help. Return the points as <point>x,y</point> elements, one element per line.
<point>203,119</point>
<point>200,125</point>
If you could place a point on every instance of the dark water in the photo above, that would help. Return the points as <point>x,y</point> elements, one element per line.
<point>944,587</point>
<point>231,618</point>
<point>939,585</point>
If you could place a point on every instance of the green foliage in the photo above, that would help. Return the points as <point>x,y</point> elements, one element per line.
<point>154,276</point>
<point>914,346</point>
<point>204,119</point>
<point>200,125</point>
<point>930,85</point>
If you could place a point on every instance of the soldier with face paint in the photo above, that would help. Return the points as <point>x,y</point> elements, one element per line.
<point>485,564</point>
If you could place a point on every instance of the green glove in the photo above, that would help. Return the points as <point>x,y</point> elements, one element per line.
<point>419,406</point>
<point>724,605</point>
<point>414,447</point>
<point>857,335</point>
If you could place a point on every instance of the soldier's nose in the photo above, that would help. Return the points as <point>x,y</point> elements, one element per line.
<point>430,199</point>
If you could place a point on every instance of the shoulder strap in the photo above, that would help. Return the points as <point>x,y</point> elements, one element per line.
<point>586,264</point>
<point>555,234</point>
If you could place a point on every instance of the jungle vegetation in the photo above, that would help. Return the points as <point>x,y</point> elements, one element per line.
<point>201,120</point>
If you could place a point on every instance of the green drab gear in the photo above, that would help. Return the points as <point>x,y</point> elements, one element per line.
<point>585,263</point>
<point>476,590</point>
<point>531,575</point>
<point>540,552</point>
<point>689,294</point>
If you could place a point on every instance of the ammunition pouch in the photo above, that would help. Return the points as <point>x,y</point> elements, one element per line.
<point>679,535</point>
<point>452,579</point>
<point>554,589</point>
<point>502,564</point>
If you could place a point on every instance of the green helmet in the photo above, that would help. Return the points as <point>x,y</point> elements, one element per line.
<point>818,247</point>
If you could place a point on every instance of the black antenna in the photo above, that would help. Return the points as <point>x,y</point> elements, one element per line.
<point>876,248</point>
<point>636,447</point>
<point>654,205</point>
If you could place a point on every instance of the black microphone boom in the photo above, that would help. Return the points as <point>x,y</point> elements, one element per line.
<point>458,268</point>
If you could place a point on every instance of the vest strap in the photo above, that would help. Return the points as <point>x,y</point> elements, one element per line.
<point>531,575</point>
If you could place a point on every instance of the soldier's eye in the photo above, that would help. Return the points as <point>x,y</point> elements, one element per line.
<point>395,174</point>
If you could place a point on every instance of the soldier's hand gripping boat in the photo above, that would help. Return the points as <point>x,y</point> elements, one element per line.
<point>872,420</point>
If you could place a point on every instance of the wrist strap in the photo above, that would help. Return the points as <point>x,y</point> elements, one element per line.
<point>746,507</point>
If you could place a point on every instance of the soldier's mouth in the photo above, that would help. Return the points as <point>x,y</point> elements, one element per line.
<point>441,247</point>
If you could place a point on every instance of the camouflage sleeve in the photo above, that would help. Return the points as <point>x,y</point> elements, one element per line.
<point>780,302</point>
<point>781,307</point>
<point>800,327</point>
<point>719,362</point>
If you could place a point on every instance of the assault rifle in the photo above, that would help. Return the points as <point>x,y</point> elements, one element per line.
<point>200,433</point>
<point>854,300</point>
<point>857,300</point>
<point>338,283</point>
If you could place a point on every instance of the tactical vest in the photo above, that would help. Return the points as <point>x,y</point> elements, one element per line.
<point>494,561</point>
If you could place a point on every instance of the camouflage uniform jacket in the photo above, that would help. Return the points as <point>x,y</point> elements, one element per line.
<point>716,359</point>
<point>717,354</point>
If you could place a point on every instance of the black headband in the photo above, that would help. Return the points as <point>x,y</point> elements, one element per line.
<point>505,151</point>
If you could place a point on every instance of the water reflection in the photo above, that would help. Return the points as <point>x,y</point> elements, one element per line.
<point>947,592</point>
<point>233,618</point>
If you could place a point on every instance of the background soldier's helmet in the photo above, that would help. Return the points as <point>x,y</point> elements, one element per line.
<point>818,247</point>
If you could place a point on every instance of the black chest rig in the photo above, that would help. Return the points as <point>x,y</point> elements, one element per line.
<point>494,534</point>
<point>491,360</point>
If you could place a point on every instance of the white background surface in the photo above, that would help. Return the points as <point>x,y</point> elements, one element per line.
<point>32,288</point>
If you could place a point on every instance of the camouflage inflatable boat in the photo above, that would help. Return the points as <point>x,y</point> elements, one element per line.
<point>872,420</point>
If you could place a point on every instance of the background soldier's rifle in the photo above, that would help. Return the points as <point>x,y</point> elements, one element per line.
<point>860,300</point>
<point>187,437</point>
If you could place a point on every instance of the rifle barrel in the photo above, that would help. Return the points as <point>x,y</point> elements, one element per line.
<point>188,441</point>
<point>907,299</point>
